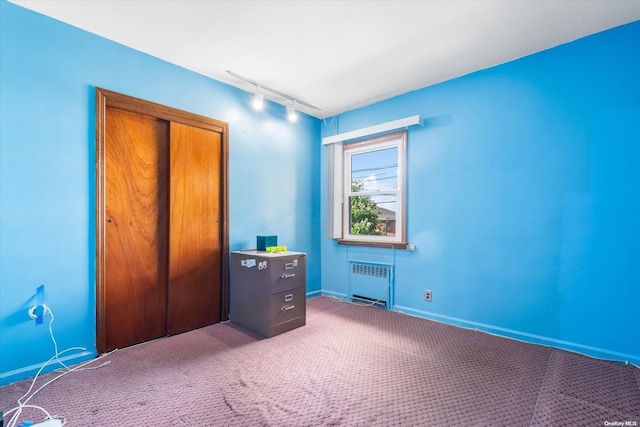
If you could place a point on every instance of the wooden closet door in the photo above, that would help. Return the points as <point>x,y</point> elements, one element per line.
<point>136,228</point>
<point>195,228</point>
<point>162,235</point>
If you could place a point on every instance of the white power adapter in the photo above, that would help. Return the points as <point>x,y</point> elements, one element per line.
<point>49,423</point>
<point>32,310</point>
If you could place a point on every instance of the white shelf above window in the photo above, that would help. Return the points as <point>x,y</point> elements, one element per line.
<point>373,130</point>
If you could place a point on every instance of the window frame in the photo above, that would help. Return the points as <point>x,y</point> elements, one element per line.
<point>343,165</point>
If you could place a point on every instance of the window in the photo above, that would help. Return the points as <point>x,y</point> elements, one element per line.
<point>372,190</point>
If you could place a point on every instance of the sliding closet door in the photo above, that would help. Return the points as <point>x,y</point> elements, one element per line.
<point>136,228</point>
<point>161,229</point>
<point>195,228</point>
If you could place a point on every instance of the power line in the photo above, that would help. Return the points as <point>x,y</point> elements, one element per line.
<point>392,165</point>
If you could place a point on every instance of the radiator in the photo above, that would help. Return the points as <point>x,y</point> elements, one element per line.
<point>371,283</point>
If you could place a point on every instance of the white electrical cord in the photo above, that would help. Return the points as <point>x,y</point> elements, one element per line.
<point>28,395</point>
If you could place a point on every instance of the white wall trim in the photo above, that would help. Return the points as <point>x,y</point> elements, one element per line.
<point>372,130</point>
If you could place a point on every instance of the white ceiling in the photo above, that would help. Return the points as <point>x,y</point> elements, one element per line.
<point>339,55</point>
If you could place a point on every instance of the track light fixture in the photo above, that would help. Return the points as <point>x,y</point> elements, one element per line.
<point>291,112</point>
<point>258,98</point>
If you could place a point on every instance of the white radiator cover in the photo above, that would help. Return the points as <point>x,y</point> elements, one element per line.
<point>371,283</point>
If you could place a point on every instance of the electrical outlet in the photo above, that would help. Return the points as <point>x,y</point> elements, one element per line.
<point>427,295</point>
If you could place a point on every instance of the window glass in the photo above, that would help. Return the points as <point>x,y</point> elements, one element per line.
<point>369,216</point>
<point>373,189</point>
<point>375,170</point>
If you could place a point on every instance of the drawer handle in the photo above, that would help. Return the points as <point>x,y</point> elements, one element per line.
<point>288,276</point>
<point>287,307</point>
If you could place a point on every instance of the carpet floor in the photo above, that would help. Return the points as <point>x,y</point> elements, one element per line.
<point>349,366</point>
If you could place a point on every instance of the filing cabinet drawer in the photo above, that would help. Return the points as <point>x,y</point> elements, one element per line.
<point>288,273</point>
<point>288,305</point>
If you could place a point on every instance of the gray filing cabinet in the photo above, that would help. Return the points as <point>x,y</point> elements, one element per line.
<point>268,291</point>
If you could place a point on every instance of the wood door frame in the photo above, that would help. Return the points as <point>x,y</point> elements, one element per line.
<point>106,98</point>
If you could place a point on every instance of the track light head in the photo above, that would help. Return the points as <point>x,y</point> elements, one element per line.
<point>258,99</point>
<point>291,112</point>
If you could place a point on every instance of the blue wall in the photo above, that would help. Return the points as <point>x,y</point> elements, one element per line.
<point>48,75</point>
<point>523,198</point>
